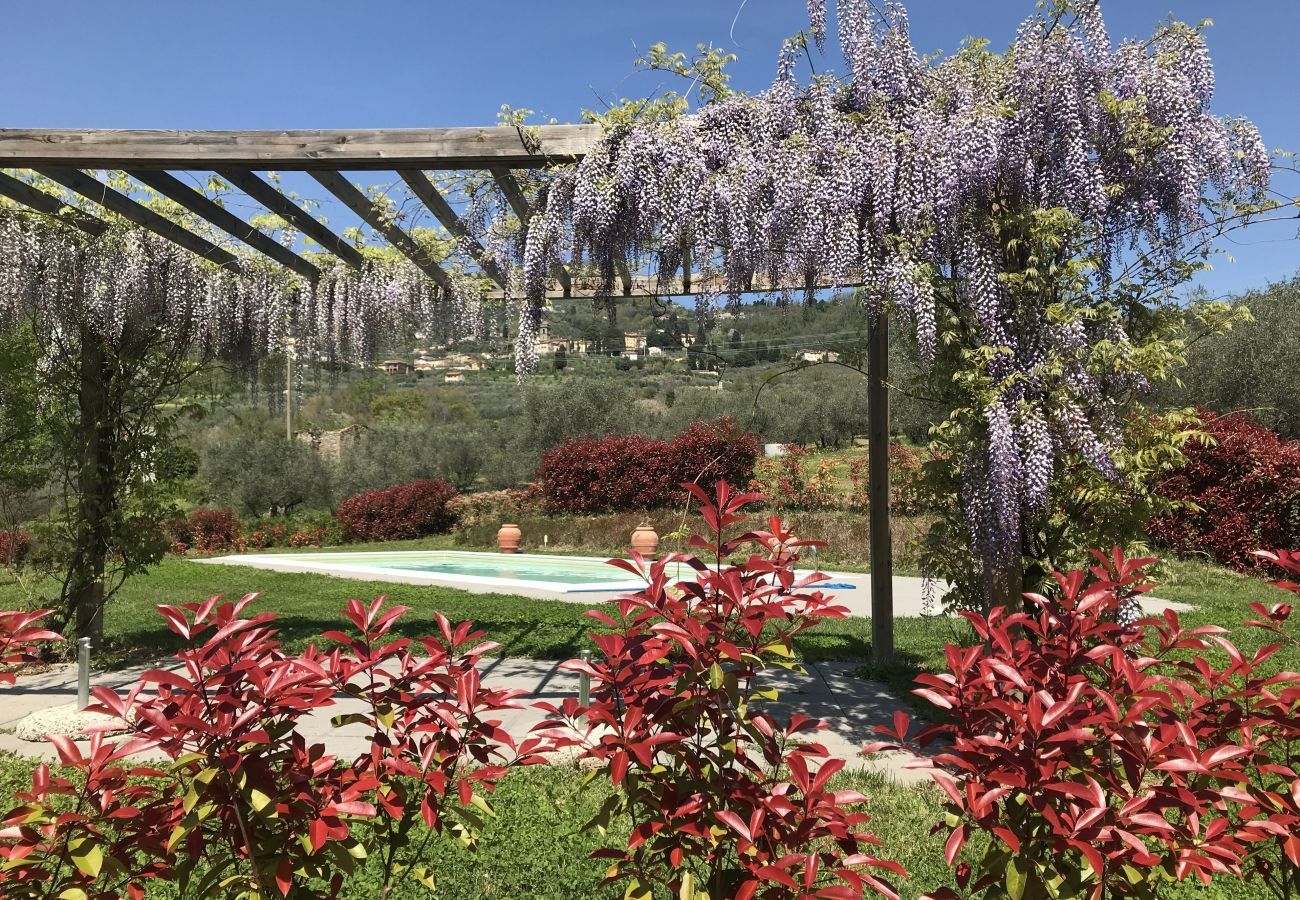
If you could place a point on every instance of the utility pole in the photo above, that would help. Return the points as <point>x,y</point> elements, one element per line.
<point>288,388</point>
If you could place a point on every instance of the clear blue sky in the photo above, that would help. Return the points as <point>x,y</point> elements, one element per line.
<point>410,63</point>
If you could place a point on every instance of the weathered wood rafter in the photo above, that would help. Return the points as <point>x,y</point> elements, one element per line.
<point>267,195</point>
<point>431,197</point>
<point>97,192</point>
<point>361,205</point>
<point>205,208</point>
<point>23,193</point>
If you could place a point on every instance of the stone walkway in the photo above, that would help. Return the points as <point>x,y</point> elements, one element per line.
<point>851,706</point>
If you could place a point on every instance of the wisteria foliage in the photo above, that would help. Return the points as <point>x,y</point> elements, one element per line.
<point>895,178</point>
<point>129,279</point>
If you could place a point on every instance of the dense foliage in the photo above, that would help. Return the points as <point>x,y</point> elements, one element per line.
<point>1104,760</point>
<point>725,801</point>
<point>625,472</point>
<point>1019,211</point>
<point>1238,490</point>
<point>404,511</point>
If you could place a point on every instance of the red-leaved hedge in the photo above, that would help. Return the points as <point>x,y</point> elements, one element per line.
<point>205,531</point>
<point>402,512</point>
<point>14,546</point>
<point>625,472</point>
<point>1245,481</point>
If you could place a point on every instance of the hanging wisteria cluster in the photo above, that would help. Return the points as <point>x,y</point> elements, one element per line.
<point>129,279</point>
<point>896,177</point>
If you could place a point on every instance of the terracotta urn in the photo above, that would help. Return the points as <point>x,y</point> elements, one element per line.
<point>508,538</point>
<point>645,540</point>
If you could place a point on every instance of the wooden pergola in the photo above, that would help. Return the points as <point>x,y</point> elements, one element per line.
<point>69,157</point>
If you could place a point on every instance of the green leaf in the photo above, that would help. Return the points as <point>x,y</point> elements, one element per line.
<point>638,890</point>
<point>87,856</point>
<point>1017,878</point>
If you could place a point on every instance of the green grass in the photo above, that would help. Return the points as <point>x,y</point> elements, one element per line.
<point>535,847</point>
<point>309,604</point>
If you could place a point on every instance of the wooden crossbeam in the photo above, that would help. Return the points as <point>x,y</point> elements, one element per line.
<point>295,215</point>
<point>514,195</point>
<point>22,192</point>
<point>360,204</point>
<point>203,207</point>
<point>431,197</point>
<point>357,149</point>
<point>95,190</point>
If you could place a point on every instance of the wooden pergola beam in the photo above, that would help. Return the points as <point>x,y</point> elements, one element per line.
<point>267,195</point>
<point>96,191</point>
<point>355,149</point>
<point>23,193</point>
<point>431,197</point>
<point>172,187</point>
<point>360,204</point>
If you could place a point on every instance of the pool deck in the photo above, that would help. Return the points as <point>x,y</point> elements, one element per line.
<point>910,593</point>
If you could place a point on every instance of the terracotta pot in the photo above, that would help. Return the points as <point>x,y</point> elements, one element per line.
<point>508,538</point>
<point>645,540</point>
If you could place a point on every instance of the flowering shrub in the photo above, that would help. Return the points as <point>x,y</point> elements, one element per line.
<point>14,547</point>
<point>205,531</point>
<point>788,484</point>
<point>405,511</point>
<point>1103,760</point>
<point>904,471</point>
<point>246,806</point>
<point>625,472</point>
<point>722,797</point>
<point>495,507</point>
<point>20,632</point>
<point>1239,490</point>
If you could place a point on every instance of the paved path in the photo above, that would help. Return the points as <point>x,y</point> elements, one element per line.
<point>852,707</point>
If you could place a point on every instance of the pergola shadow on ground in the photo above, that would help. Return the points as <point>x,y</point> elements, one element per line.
<point>68,157</point>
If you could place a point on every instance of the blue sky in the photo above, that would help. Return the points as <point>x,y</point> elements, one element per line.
<point>406,63</point>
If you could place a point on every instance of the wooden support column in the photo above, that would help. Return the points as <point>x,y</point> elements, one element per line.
<point>882,560</point>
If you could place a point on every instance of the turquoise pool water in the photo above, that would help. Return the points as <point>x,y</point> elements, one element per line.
<point>502,565</point>
<point>559,573</point>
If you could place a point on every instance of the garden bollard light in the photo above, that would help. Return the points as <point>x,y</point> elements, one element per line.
<point>584,681</point>
<point>83,672</point>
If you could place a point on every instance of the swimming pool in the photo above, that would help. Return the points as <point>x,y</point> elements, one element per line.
<point>459,568</point>
<point>563,574</point>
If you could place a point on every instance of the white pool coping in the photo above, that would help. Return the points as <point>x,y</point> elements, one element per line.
<point>328,563</point>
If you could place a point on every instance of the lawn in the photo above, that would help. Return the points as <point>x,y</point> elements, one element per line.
<point>535,846</point>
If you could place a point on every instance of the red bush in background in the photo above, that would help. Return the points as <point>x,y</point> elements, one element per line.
<point>724,800</point>
<point>14,547</point>
<point>626,472</point>
<point>1243,487</point>
<point>405,511</point>
<point>205,531</point>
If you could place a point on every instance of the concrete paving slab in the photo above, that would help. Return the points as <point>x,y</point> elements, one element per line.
<point>851,707</point>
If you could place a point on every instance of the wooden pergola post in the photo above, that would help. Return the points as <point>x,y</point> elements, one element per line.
<point>882,558</point>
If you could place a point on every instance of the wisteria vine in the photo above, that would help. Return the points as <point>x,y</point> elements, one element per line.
<point>129,278</point>
<point>903,176</point>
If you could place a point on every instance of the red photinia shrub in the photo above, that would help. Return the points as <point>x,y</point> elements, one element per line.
<point>436,745</point>
<point>20,632</point>
<point>405,511</point>
<point>1102,760</point>
<point>205,531</point>
<point>1240,488</point>
<point>724,800</point>
<point>788,483</point>
<point>246,805</point>
<point>625,472</point>
<point>709,452</point>
<point>14,547</point>
<point>904,471</point>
